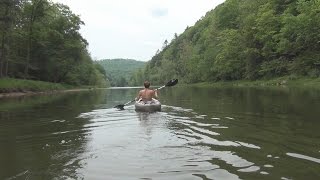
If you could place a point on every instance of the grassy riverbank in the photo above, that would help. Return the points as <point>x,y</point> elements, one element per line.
<point>287,81</point>
<point>10,85</point>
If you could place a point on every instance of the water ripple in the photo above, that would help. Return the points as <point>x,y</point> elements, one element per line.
<point>300,156</point>
<point>176,139</point>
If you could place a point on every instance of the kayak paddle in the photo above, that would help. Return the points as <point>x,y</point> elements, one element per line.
<point>172,82</point>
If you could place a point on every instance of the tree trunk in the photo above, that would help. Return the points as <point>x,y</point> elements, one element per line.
<point>33,17</point>
<point>29,44</point>
<point>5,30</point>
<point>2,54</point>
<point>26,69</point>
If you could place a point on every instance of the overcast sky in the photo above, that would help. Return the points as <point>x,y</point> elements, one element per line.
<point>135,29</point>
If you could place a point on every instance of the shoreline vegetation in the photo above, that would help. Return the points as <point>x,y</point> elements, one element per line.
<point>41,40</point>
<point>10,87</point>
<point>244,42</point>
<point>287,81</point>
<point>19,87</point>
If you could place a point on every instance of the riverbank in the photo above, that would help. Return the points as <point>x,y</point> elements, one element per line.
<point>10,87</point>
<point>282,82</point>
<point>18,87</point>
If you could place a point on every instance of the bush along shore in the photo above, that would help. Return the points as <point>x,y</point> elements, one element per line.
<point>286,81</point>
<point>17,87</point>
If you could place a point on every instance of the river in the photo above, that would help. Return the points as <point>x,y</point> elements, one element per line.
<point>201,133</point>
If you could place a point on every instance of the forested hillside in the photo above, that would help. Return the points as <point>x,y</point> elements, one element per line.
<point>40,40</point>
<point>119,71</point>
<point>247,39</point>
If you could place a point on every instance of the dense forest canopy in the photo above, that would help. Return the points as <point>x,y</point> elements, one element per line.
<point>120,71</point>
<point>243,39</point>
<point>40,40</point>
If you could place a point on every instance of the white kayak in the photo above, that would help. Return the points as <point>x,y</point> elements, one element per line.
<point>150,106</point>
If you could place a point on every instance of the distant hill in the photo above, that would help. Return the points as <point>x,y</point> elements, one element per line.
<point>119,71</point>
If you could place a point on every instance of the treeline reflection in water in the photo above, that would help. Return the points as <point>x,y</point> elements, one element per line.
<point>201,133</point>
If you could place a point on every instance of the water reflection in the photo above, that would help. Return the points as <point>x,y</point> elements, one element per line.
<point>179,145</point>
<point>201,133</point>
<point>147,122</point>
<point>40,136</point>
<point>300,156</point>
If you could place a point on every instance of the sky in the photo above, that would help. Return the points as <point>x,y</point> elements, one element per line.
<point>135,29</point>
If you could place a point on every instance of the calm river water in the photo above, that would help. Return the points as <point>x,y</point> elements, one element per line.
<point>201,133</point>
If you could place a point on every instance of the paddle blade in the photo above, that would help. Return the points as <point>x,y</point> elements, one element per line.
<point>172,82</point>
<point>120,106</point>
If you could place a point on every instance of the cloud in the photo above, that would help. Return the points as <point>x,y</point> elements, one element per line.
<point>159,12</point>
<point>135,29</point>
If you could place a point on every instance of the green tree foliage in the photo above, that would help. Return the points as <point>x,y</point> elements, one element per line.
<point>122,72</point>
<point>41,41</point>
<point>243,40</point>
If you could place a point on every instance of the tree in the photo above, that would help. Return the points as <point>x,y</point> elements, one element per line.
<point>165,44</point>
<point>34,10</point>
<point>8,14</point>
<point>41,40</point>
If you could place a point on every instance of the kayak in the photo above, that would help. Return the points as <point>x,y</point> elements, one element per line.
<point>150,106</point>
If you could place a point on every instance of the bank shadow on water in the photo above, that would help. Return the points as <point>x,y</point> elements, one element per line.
<point>40,136</point>
<point>242,98</point>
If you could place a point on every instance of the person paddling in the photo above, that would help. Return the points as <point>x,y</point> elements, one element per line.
<point>146,95</point>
